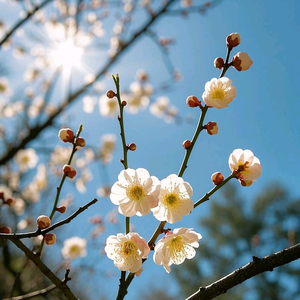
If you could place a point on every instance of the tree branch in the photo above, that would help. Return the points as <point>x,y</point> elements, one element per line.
<point>253,268</point>
<point>45,270</point>
<point>12,236</point>
<point>34,294</point>
<point>29,14</point>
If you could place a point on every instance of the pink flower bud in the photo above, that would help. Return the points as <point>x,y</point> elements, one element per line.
<point>232,40</point>
<point>217,178</point>
<point>5,229</point>
<point>132,147</point>
<point>110,94</point>
<point>212,128</point>
<point>61,209</point>
<point>43,222</point>
<point>241,61</point>
<point>69,171</point>
<point>186,144</point>
<point>219,63</point>
<point>66,135</point>
<point>80,142</point>
<point>50,239</point>
<point>10,201</point>
<point>192,101</point>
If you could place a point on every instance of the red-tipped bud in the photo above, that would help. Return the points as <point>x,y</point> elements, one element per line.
<point>1,195</point>
<point>124,103</point>
<point>132,147</point>
<point>5,229</point>
<point>186,144</point>
<point>66,135</point>
<point>10,201</point>
<point>219,63</point>
<point>62,209</point>
<point>43,222</point>
<point>245,182</point>
<point>110,94</point>
<point>80,142</point>
<point>242,61</point>
<point>50,239</point>
<point>192,101</point>
<point>69,171</point>
<point>212,128</point>
<point>217,178</point>
<point>233,40</point>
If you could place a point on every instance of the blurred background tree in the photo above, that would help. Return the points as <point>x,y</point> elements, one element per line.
<point>238,229</point>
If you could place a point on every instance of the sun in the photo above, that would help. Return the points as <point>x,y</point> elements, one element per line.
<point>67,55</point>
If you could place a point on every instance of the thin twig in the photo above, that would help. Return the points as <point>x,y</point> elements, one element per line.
<point>45,270</point>
<point>21,22</point>
<point>12,236</point>
<point>34,294</point>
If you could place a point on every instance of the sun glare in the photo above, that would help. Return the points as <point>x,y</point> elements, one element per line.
<point>67,55</point>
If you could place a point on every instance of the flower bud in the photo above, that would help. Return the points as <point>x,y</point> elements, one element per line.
<point>241,61</point>
<point>5,229</point>
<point>212,128</point>
<point>50,239</point>
<point>217,178</point>
<point>10,201</point>
<point>132,147</point>
<point>110,94</point>
<point>66,135</point>
<point>80,142</point>
<point>124,103</point>
<point>246,182</point>
<point>232,40</point>
<point>186,144</point>
<point>219,63</point>
<point>69,171</point>
<point>43,222</point>
<point>61,209</point>
<point>192,101</point>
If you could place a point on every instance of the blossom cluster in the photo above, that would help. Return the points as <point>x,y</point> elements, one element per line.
<point>138,193</point>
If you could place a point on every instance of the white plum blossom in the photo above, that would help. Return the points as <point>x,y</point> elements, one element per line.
<point>219,92</point>
<point>108,144</point>
<point>135,192</point>
<point>138,99</point>
<point>74,247</point>
<point>160,106</point>
<point>127,251</point>
<point>174,199</point>
<point>4,87</point>
<point>108,106</point>
<point>26,159</point>
<point>175,247</point>
<point>248,164</point>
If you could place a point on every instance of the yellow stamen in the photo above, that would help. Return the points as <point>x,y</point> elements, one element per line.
<point>218,94</point>
<point>135,192</point>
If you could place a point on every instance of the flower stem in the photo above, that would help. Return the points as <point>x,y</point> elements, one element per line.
<point>61,185</point>
<point>122,287</point>
<point>212,191</point>
<point>188,152</point>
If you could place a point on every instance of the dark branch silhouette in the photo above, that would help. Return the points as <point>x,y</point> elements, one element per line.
<point>253,268</point>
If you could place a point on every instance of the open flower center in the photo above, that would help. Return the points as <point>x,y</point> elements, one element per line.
<point>171,199</point>
<point>178,250</point>
<point>218,94</point>
<point>74,250</point>
<point>135,192</point>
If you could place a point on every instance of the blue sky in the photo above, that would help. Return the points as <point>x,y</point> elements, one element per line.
<point>264,116</point>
